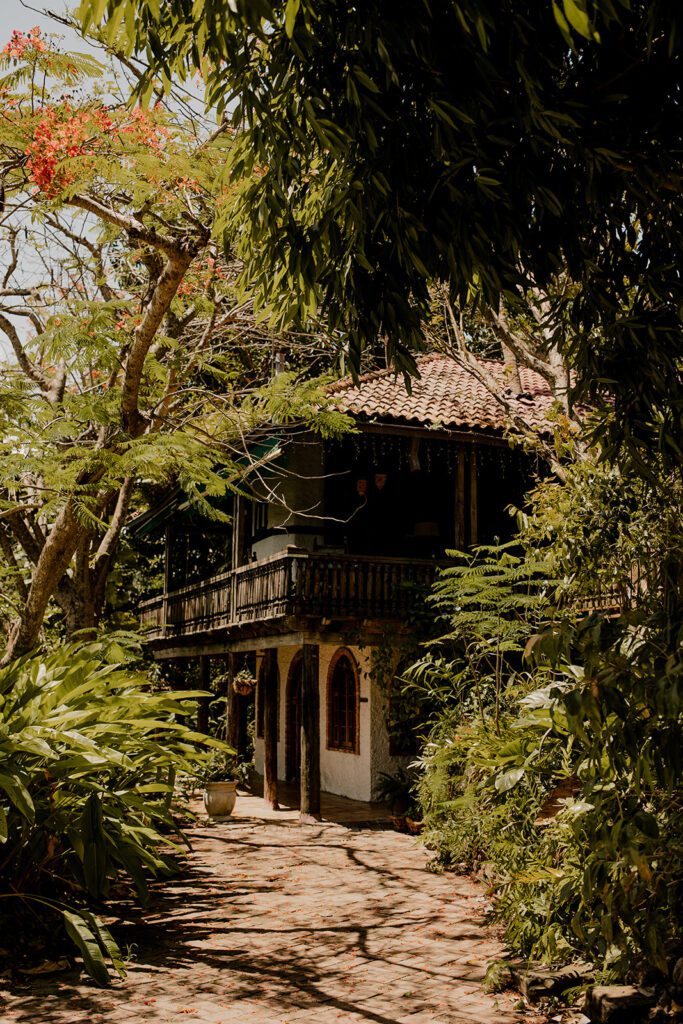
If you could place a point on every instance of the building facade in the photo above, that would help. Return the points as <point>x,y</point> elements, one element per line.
<point>328,560</point>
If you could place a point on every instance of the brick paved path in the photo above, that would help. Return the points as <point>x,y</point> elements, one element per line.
<point>309,924</point>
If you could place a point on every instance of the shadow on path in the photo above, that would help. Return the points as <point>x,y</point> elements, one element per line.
<point>276,922</point>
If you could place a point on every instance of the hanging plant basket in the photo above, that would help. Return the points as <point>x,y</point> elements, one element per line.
<point>244,683</point>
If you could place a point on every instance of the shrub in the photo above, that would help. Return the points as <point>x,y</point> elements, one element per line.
<point>585,860</point>
<point>556,755</point>
<point>88,757</point>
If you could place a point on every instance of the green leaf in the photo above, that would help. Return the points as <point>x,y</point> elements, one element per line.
<point>88,945</point>
<point>18,794</point>
<point>291,11</point>
<point>106,941</point>
<point>95,863</point>
<point>364,79</point>
<point>562,22</point>
<point>509,779</point>
<point>578,18</point>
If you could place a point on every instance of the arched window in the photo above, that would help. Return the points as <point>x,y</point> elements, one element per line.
<point>342,703</point>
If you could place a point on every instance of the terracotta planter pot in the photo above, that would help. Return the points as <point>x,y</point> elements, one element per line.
<point>219,798</point>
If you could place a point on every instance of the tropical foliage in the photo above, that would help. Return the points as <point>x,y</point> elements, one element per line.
<point>554,761</point>
<point>384,166</point>
<point>526,193</point>
<point>131,362</point>
<point>89,753</point>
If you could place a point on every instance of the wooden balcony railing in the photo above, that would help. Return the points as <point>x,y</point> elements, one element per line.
<point>295,583</point>
<point>611,597</point>
<point>305,584</point>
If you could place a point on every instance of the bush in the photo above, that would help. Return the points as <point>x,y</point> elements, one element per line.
<point>555,758</point>
<point>585,862</point>
<point>88,758</point>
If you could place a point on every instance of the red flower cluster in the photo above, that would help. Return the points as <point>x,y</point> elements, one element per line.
<point>215,268</point>
<point>20,44</point>
<point>59,135</point>
<point>144,130</point>
<point>63,134</point>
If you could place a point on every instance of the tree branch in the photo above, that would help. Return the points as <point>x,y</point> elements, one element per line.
<point>106,291</point>
<point>12,266</point>
<point>161,298</point>
<point>33,372</point>
<point>53,562</point>
<point>131,225</point>
<point>107,547</point>
<point>8,552</point>
<point>462,355</point>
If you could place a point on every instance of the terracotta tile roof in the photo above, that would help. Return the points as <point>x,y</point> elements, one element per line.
<point>445,394</point>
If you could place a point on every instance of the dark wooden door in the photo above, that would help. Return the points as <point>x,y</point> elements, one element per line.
<point>293,726</point>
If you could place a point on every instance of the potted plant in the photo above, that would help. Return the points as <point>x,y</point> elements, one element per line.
<point>244,683</point>
<point>220,786</point>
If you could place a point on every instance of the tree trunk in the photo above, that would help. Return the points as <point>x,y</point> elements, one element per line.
<point>58,550</point>
<point>512,370</point>
<point>78,609</point>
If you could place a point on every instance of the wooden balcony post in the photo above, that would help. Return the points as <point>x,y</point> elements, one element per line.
<point>270,727</point>
<point>232,731</point>
<point>474,501</point>
<point>310,734</point>
<point>460,501</point>
<point>203,702</point>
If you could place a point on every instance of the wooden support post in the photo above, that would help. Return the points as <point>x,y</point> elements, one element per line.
<point>203,702</point>
<point>474,527</point>
<point>168,541</point>
<point>270,687</point>
<point>237,554</point>
<point>232,734</point>
<point>310,734</point>
<point>460,501</point>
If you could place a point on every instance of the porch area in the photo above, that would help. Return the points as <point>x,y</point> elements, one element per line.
<point>338,809</point>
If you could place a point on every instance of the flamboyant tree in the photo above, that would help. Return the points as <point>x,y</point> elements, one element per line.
<point>124,342</point>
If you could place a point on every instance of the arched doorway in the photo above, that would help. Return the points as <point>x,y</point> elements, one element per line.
<point>293,722</point>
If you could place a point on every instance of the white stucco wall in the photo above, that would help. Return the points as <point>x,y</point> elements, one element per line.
<point>279,542</point>
<point>341,772</point>
<point>381,759</point>
<point>298,485</point>
<point>294,497</point>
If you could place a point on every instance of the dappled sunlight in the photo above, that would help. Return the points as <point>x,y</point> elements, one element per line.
<point>275,919</point>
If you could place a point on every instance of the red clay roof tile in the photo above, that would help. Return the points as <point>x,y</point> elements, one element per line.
<point>445,394</point>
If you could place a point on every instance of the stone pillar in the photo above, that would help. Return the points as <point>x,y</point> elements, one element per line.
<point>270,725</point>
<point>310,734</point>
